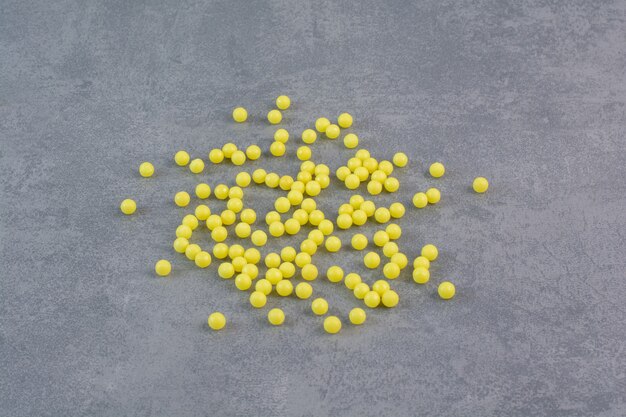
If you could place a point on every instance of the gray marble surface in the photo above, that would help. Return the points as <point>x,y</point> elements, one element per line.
<point>530,94</point>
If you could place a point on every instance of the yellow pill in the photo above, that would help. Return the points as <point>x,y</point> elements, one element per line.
<point>321,124</point>
<point>302,259</point>
<point>323,180</point>
<point>397,210</point>
<point>191,221</point>
<point>356,200</point>
<point>191,251</point>
<point>446,290</point>
<point>196,166</point>
<point>345,209</point>
<point>248,216</point>
<point>283,102</point>
<point>288,254</point>
<point>420,200</point>
<point>379,176</point>
<point>333,244</point>
<point>285,182</point>
<point>394,231</point>
<point>181,158</point>
<point>219,234</point>
<point>284,288</point>
<point>309,136</point>
<point>352,182</point>
<point>228,217</point>
<point>368,207</point>
<point>371,260</point>
<point>235,205</point>
<point>274,117</point>
<point>386,167</point>
<point>359,241</point>
<point>381,238</point>
<point>180,244</point>
<point>128,206</point>
<point>400,259</point>
<point>421,261</point>
<point>391,184</point>
<point>182,199</point>
<point>235,192</point>
<point>240,114</point>
<point>382,215</point>
<point>272,180</point>
<point>226,270</point>
<point>326,227</point>
<point>282,204</point>
<point>309,271</point>
<point>313,188</point>
<point>238,158</point>
<point>390,249</point>
<point>357,316</point>
<point>202,259</point>
<point>332,131</point>
<point>371,164</point>
<point>332,324</point>
<point>351,280</point>
<point>390,298</point>
<point>308,246</point>
<point>372,299</point>
<point>319,306</point>
<point>220,250</point>
<point>374,187</point>
<point>235,251</point>
<point>304,290</point>
<point>316,217</point>
<point>243,282</point>
<point>292,226</point>
<point>281,135</point>
<point>203,191</point>
<point>272,216</point>
<point>430,252</point>
<point>277,229</point>
<point>221,191</point>
<point>273,275</point>
<point>360,290</point>
<point>213,221</point>
<point>258,299</point>
<point>252,255</point>
<point>216,156</point>
<point>250,270</point>
<point>351,141</point>
<point>400,159</point>
<point>480,184</point>
<point>344,120</point>
<point>259,176</point>
<point>334,274</point>
<point>391,270</point>
<point>362,154</point>
<point>253,152</point>
<point>216,321</point>
<point>344,221</point>
<point>421,275</point>
<point>277,149</point>
<point>146,169</point>
<point>437,170</point>
<point>163,268</point>
<point>287,269</point>
<point>301,216</point>
<point>303,153</point>
<point>342,173</point>
<point>228,149</point>
<point>433,195</point>
<point>276,317</point>
<point>263,286</point>
<point>362,173</point>
<point>272,260</point>
<point>242,230</point>
<point>380,286</point>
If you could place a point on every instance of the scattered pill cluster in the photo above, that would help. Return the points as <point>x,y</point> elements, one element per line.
<point>293,212</point>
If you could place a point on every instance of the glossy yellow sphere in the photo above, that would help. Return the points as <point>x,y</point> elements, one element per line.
<point>183,231</point>
<point>240,114</point>
<point>309,136</point>
<point>433,195</point>
<point>400,259</point>
<point>301,216</point>
<point>359,217</point>
<point>181,158</point>
<point>146,169</point>
<point>371,260</point>
<point>333,244</point>
<point>400,159</point>
<point>334,274</point>
<point>381,286</point>
<point>421,275</point>
<point>281,135</point>
<point>202,259</point>
<point>352,182</point>
<point>242,230</point>
<point>288,254</point>
<point>326,227</point>
<point>344,120</point>
<point>360,290</point>
<point>303,153</point>
<point>182,199</point>
<point>253,152</point>
<point>163,268</point>
<point>216,156</point>
<point>379,176</point>
<point>128,206</point>
<point>313,188</point>
<point>342,173</point>
<point>321,124</point>
<point>220,250</point>
<point>196,166</point>
<point>302,259</point>
<point>344,221</point>
<point>304,290</point>
<point>390,298</point>
<point>391,270</point>
<point>272,180</point>
<point>357,316</point>
<point>397,210</point>
<point>420,200</point>
<point>394,231</point>
<point>259,238</point>
<point>421,261</point>
<point>446,290</point>
<point>332,324</point>
<point>248,216</point>
<point>351,141</point>
<point>480,184</point>
<point>371,164</point>
<point>258,299</point>
<point>203,191</point>
<point>372,299</point>
<point>273,275</point>
<point>316,217</point>
<point>235,251</point>
<point>263,286</point>
<point>219,234</point>
<point>368,207</point>
<point>292,226</point>
<point>192,250</point>
<point>284,288</point>
<point>282,204</point>
<point>283,102</point>
<point>332,131</point>
<point>308,246</point>
<point>319,306</point>
<point>238,158</point>
<point>287,269</point>
<point>381,238</point>
<point>276,316</point>
<point>216,321</point>
<point>430,252</point>
<point>252,255</point>
<point>228,217</point>
<point>243,282</point>
<point>277,229</point>
<point>180,244</point>
<point>359,241</point>
<point>229,149</point>
<point>390,249</point>
<point>386,167</point>
<point>277,148</point>
<point>274,117</point>
<point>191,221</point>
<point>235,205</point>
<point>382,215</point>
<point>221,191</point>
<point>437,170</point>
<point>391,184</point>
<point>374,187</point>
<point>309,271</point>
<point>361,173</point>
<point>351,280</point>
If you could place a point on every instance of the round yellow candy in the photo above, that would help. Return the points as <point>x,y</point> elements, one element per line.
<point>272,260</point>
<point>283,102</point>
<point>282,204</point>
<point>371,164</point>
<point>258,299</point>
<point>391,270</point>
<point>326,226</point>
<point>253,152</point>
<point>238,158</point>
<point>259,176</point>
<point>332,324</point>
<point>360,290</point>
<point>394,231</point>
<point>480,184</point>
<point>191,221</point>
<point>357,316</point>
<point>421,261</point>
<point>196,166</point>
<point>356,200</point>
<point>374,187</point>
<point>421,275</point>
<point>381,238</point>
<point>381,286</point>
<point>128,206</point>
<point>371,260</point>
<point>332,131</point>
<point>400,159</point>
<point>308,271</point>
<point>250,270</point>
<point>333,244</point>
<point>284,288</point>
<point>252,255</point>
<point>181,158</point>
<point>316,236</point>
<point>216,321</point>
<point>362,154</point>
<point>321,124</point>
<point>309,136</point>
<point>216,156</point>
<point>304,290</point>
<point>276,316</point>
<point>281,135</point>
<point>228,217</point>
<point>303,153</point>
<point>420,200</point>
<point>303,259</point>
<point>391,184</point>
<point>235,205</point>
<point>287,269</point>
<point>182,199</point>
<point>192,250</point>
<point>243,282</point>
<point>242,230</point>
<point>248,216</point>
<point>359,217</point>
<point>259,238</point>
<point>273,275</point>
<point>240,114</point>
<point>301,216</point>
<point>437,170</point>
<point>272,180</point>
<point>274,116</point>
<point>288,254</point>
<point>334,274</point>
<point>351,141</point>
<point>163,268</point>
<point>146,169</point>
<point>390,298</point>
<point>390,249</point>
<point>263,286</point>
<point>180,244</point>
<point>359,241</point>
<point>344,221</point>
<point>430,252</point>
<point>319,306</point>
<point>397,210</point>
<point>344,120</point>
<point>219,234</point>
<point>352,181</point>
<point>202,259</point>
<point>308,246</point>
<point>446,290</point>
<point>351,280</point>
<point>368,207</point>
<point>272,217</point>
<point>235,192</point>
<point>433,195</point>
<point>372,299</point>
<point>382,215</point>
<point>235,250</point>
<point>313,188</point>
<point>379,176</point>
<point>277,149</point>
<point>292,226</point>
<point>277,229</point>
<point>400,259</point>
<point>316,217</point>
<point>203,191</point>
<point>386,167</point>
<point>221,192</point>
<point>228,149</point>
<point>362,173</point>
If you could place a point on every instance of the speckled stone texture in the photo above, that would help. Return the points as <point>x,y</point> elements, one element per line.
<point>530,94</point>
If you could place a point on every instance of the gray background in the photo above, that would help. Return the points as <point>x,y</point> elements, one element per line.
<point>530,94</point>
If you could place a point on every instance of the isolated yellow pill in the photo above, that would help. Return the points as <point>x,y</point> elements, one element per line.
<point>319,306</point>
<point>283,102</point>
<point>281,135</point>
<point>430,252</point>
<point>276,316</point>
<point>146,169</point>
<point>360,290</point>
<point>344,120</point>
<point>163,268</point>
<point>359,241</point>
<point>321,124</point>
<point>390,298</point>
<point>309,136</point>
<point>372,299</point>
<point>284,288</point>
<point>334,273</point>
<point>420,200</point>
<point>192,250</point>
<point>258,299</point>
<point>274,116</point>
<point>351,280</point>
<point>216,156</point>
<point>196,166</point>
<point>351,141</point>
<point>277,149</point>
<point>240,114</point>
<point>332,324</point>
<point>332,131</point>
<point>304,290</point>
<point>182,199</point>
<point>371,260</point>
<point>357,316</point>
<point>433,195</point>
<point>446,290</point>
<point>400,159</point>
<point>181,158</point>
<point>180,244</point>
<point>253,152</point>
<point>202,259</point>
<point>128,206</point>
<point>421,275</point>
<point>480,184</point>
<point>437,170</point>
<point>309,271</point>
<point>263,286</point>
<point>216,321</point>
